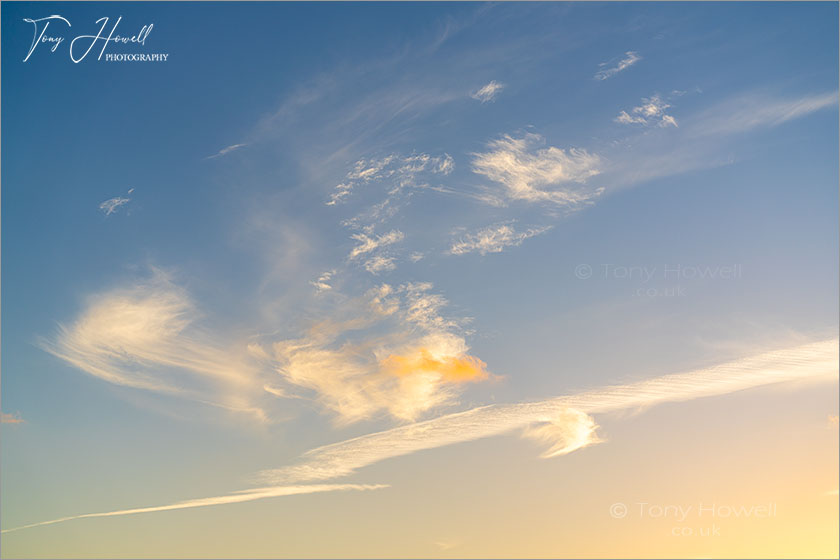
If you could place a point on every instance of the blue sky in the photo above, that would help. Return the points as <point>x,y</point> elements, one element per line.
<point>319,221</point>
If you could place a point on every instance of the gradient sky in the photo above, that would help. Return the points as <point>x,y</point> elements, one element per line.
<point>483,239</point>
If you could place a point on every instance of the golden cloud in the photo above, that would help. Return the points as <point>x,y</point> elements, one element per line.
<point>451,369</point>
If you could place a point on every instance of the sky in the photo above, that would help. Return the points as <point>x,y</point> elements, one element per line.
<point>454,280</point>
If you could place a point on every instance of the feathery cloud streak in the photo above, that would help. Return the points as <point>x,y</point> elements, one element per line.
<point>368,244</point>
<point>493,239</point>
<point>235,498</point>
<point>113,204</point>
<point>809,361</point>
<point>750,111</point>
<point>488,92</point>
<point>629,60</point>
<point>704,139</point>
<point>144,337</point>
<point>401,170</point>
<point>227,150</point>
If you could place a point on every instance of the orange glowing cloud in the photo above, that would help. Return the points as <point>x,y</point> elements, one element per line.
<point>451,369</point>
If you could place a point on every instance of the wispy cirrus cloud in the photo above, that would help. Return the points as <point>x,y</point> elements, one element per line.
<point>488,92</point>
<point>566,418</point>
<point>400,171</point>
<point>706,137</point>
<point>493,239</point>
<point>372,246</point>
<point>369,243</point>
<point>650,113</point>
<point>630,58</point>
<point>380,263</point>
<point>527,172</point>
<point>569,431</point>
<point>322,283</point>
<point>235,498</point>
<point>750,111</point>
<point>390,183</point>
<point>144,336</point>
<point>113,204</point>
<point>226,150</point>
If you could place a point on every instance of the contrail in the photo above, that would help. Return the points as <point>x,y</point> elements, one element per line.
<point>241,496</point>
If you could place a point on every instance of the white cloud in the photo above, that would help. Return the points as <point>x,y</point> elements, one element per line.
<point>113,204</point>
<point>532,174</point>
<point>630,58</point>
<point>390,183</point>
<point>568,414</point>
<point>493,239</point>
<point>379,264</point>
<point>423,308</point>
<point>401,171</point>
<point>368,243</point>
<point>650,113</point>
<point>235,498</point>
<point>227,150</point>
<point>322,283</point>
<point>488,92</point>
<point>145,337</point>
<point>568,431</point>
<point>373,245</point>
<point>371,169</point>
